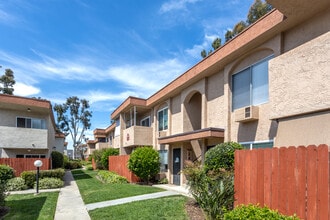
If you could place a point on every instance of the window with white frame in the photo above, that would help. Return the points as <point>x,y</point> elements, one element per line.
<point>163,119</point>
<point>145,122</point>
<point>250,86</point>
<point>36,123</point>
<point>117,128</point>
<point>258,144</point>
<point>163,154</point>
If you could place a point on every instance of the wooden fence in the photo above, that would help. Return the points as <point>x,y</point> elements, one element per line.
<point>118,164</point>
<point>291,180</point>
<point>24,164</point>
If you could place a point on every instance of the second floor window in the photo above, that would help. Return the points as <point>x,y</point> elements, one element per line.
<point>145,122</point>
<point>250,86</point>
<point>163,119</point>
<point>31,123</point>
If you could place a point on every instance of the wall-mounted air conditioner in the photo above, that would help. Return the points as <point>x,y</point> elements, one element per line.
<point>246,114</point>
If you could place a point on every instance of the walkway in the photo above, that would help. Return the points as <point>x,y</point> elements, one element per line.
<point>71,206</point>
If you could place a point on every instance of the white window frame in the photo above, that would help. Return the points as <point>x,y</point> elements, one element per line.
<point>163,118</point>
<point>42,122</point>
<point>143,119</point>
<point>255,142</point>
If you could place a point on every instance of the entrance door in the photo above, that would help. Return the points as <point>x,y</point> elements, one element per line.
<point>176,166</point>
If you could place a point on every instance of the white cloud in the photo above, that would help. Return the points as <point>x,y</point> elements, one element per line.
<point>195,51</point>
<point>103,96</point>
<point>176,5</point>
<point>22,89</point>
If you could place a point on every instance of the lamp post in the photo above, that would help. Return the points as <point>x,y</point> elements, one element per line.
<point>38,164</point>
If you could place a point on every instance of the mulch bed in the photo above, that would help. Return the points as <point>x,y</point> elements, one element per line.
<point>194,211</point>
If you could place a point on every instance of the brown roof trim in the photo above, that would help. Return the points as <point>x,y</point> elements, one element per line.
<point>193,135</point>
<point>130,101</point>
<point>110,128</point>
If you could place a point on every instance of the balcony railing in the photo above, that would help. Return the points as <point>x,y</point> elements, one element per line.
<point>13,137</point>
<point>137,135</point>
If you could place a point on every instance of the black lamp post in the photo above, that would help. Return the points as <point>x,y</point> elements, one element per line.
<point>38,164</point>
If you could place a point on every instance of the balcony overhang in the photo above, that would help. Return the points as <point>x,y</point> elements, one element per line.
<point>193,135</point>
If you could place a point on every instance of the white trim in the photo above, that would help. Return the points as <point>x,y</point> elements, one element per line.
<point>256,142</point>
<point>145,119</point>
<point>158,118</point>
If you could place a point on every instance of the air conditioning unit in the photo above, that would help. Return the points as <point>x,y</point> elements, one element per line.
<point>246,114</point>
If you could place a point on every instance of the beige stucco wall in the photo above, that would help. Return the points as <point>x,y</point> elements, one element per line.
<point>215,101</point>
<point>304,130</point>
<point>176,117</point>
<point>300,79</point>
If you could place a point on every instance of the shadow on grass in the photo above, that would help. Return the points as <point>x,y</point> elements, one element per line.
<point>25,208</point>
<point>79,174</point>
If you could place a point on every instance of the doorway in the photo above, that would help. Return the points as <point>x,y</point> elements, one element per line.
<point>176,166</point>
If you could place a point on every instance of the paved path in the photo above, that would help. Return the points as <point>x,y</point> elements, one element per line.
<point>70,204</point>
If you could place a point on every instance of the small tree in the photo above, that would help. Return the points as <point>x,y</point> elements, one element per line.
<point>7,80</point>
<point>144,163</point>
<point>105,156</point>
<point>57,160</point>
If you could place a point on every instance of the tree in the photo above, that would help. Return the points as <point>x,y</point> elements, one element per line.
<point>257,10</point>
<point>203,53</point>
<point>144,163</point>
<point>73,117</point>
<point>216,43</point>
<point>7,80</point>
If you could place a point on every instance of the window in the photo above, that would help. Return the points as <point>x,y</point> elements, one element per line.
<point>257,144</point>
<point>145,122</point>
<point>117,128</point>
<point>31,123</point>
<point>163,154</point>
<point>250,86</point>
<point>163,119</point>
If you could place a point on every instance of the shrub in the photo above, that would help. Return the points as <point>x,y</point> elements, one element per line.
<point>6,173</point>
<point>221,156</point>
<point>50,183</point>
<point>105,156</point>
<point>110,177</point>
<point>144,163</point>
<point>30,176</point>
<point>212,186</point>
<point>57,160</point>
<point>89,167</point>
<point>3,195</point>
<point>72,164</point>
<point>255,212</point>
<point>97,155</point>
<point>16,184</point>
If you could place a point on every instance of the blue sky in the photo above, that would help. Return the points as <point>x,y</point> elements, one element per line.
<point>107,50</point>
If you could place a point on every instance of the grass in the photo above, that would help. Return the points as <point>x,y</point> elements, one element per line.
<point>30,206</point>
<point>172,207</point>
<point>93,190</point>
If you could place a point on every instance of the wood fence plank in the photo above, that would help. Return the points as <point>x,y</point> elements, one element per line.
<point>253,177</point>
<point>247,182</point>
<point>291,181</point>
<point>322,182</point>
<point>282,206</point>
<point>267,179</point>
<point>301,178</point>
<point>260,176</point>
<point>238,180</point>
<point>311,182</point>
<point>275,178</point>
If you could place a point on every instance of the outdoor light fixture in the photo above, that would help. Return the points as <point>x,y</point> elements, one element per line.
<point>38,164</point>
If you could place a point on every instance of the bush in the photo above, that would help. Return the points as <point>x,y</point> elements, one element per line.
<point>72,164</point>
<point>110,177</point>
<point>89,167</point>
<point>254,212</point>
<point>212,186</point>
<point>97,155</point>
<point>221,156</point>
<point>30,176</point>
<point>16,184</point>
<point>144,163</point>
<point>57,160</point>
<point>105,156</point>
<point>6,173</point>
<point>50,183</point>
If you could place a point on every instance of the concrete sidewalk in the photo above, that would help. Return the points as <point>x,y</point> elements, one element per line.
<point>70,204</point>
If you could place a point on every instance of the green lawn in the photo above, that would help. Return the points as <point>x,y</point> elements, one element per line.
<point>93,190</point>
<point>162,208</point>
<point>31,207</point>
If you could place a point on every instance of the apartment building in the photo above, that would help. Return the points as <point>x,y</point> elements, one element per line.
<point>27,128</point>
<point>267,87</point>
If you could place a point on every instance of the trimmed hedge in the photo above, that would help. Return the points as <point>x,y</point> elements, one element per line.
<point>16,184</point>
<point>110,177</point>
<point>30,176</point>
<point>50,183</point>
<point>6,173</point>
<point>57,160</point>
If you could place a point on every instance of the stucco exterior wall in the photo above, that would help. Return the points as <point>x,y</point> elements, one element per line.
<point>215,101</point>
<point>176,117</point>
<point>300,79</point>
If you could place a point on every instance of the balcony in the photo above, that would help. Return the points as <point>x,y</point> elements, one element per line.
<point>13,137</point>
<point>137,136</point>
